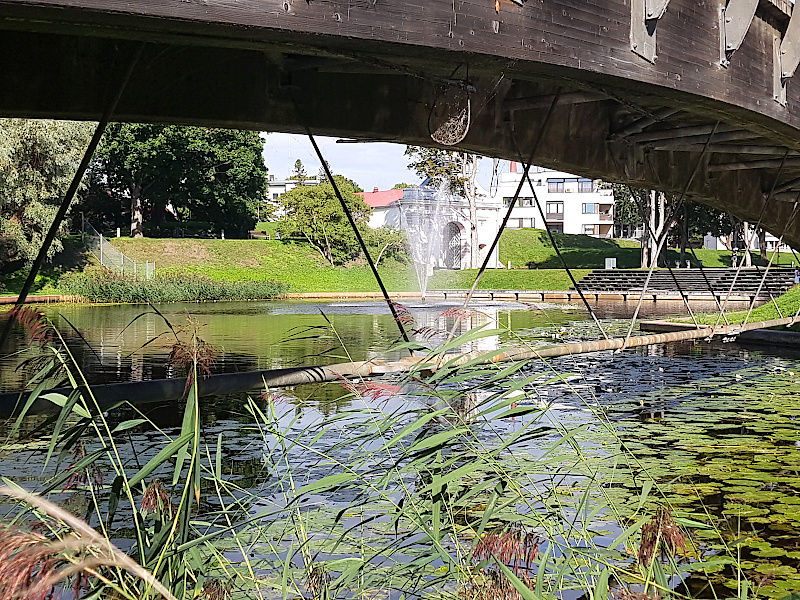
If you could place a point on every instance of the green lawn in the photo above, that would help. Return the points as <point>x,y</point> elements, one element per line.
<point>532,246</point>
<point>304,270</point>
<point>788,303</point>
<point>294,263</point>
<point>74,256</point>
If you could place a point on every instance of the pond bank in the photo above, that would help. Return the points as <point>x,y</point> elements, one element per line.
<point>42,299</point>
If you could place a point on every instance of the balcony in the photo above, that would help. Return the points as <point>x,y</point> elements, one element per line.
<point>554,216</point>
<point>606,217</point>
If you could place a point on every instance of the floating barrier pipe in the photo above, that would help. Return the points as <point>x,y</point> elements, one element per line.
<point>165,390</point>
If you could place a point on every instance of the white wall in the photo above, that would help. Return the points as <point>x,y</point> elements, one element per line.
<point>526,213</point>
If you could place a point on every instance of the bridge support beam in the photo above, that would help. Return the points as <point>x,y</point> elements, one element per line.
<point>644,18</point>
<point>786,56</point>
<point>734,22</point>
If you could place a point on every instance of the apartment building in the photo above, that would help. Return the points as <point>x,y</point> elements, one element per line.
<point>571,204</point>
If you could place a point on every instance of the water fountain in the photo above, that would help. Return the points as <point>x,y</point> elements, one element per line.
<point>424,215</point>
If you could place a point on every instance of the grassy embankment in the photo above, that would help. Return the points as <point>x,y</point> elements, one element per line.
<point>523,246</point>
<point>305,271</point>
<point>300,267</point>
<point>788,303</point>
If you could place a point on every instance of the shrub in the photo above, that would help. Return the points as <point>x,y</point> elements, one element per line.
<point>101,285</point>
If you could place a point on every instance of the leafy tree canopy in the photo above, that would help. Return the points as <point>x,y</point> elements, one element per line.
<point>401,186</point>
<point>215,176</point>
<point>38,159</point>
<point>702,219</point>
<point>315,214</point>
<point>440,166</point>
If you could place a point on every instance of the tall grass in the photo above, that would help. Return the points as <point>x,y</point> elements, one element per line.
<point>464,485</point>
<point>104,286</point>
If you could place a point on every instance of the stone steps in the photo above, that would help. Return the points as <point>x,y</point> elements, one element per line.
<point>718,281</point>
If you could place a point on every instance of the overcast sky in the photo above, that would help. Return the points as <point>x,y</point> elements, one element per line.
<point>370,165</point>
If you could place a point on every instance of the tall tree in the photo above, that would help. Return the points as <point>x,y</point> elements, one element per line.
<point>299,172</point>
<point>458,171</point>
<point>213,175</point>
<point>38,159</point>
<point>315,214</point>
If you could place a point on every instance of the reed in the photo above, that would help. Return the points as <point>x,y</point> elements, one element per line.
<point>457,484</point>
<point>101,285</point>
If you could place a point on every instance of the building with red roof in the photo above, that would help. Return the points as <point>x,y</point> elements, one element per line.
<point>385,207</point>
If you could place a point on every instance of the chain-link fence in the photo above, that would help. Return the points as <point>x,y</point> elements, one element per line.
<point>111,258</point>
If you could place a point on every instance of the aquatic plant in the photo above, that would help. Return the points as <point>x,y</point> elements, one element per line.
<point>461,482</point>
<point>102,285</point>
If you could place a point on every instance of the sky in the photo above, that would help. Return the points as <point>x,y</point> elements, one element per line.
<point>370,165</point>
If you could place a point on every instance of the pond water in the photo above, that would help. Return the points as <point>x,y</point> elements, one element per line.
<point>711,429</point>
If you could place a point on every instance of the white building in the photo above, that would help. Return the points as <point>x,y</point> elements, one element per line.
<point>276,188</point>
<point>441,226</point>
<point>571,204</point>
<point>712,243</point>
<point>437,224</point>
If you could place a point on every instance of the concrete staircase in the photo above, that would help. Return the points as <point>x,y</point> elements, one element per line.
<point>692,281</point>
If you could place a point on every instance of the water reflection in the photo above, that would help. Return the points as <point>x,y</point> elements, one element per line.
<point>687,411</point>
<point>132,342</point>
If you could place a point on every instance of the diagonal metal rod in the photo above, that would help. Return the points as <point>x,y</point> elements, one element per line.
<point>562,259</point>
<point>749,238</point>
<point>71,191</point>
<point>769,264</point>
<point>360,239</point>
<point>699,262</point>
<point>666,231</point>
<point>496,240</point>
<point>651,235</point>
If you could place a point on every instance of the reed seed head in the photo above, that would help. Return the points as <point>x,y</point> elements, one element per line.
<point>156,498</point>
<point>30,565</point>
<point>318,581</point>
<point>661,534</point>
<point>214,589</point>
<point>513,546</point>
<point>38,328</point>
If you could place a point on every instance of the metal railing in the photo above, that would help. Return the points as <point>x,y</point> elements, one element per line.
<point>110,257</point>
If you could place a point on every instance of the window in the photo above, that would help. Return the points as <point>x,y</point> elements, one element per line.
<point>589,209</point>
<point>275,196</point>
<point>555,208</point>
<point>556,227</point>
<point>555,186</point>
<point>507,200</point>
<point>525,201</point>
<point>588,230</point>
<point>585,185</point>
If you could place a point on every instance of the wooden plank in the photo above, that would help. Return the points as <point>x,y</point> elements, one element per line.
<point>585,36</point>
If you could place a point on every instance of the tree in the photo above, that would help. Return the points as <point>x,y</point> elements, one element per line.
<point>315,214</point>
<point>627,212</point>
<point>38,159</point>
<point>693,220</point>
<point>216,176</point>
<point>386,243</point>
<point>401,186</point>
<point>438,166</point>
<point>299,173</point>
<point>458,171</point>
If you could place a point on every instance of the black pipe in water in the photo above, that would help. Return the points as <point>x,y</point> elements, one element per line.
<point>160,390</point>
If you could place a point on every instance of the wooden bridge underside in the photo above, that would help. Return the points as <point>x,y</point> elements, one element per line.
<point>636,98</point>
